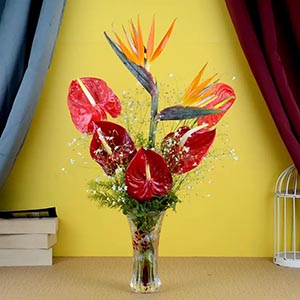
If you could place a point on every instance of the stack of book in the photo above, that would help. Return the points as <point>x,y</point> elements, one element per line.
<point>27,237</point>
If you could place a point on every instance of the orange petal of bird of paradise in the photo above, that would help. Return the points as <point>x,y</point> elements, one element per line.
<point>135,49</point>
<point>196,91</point>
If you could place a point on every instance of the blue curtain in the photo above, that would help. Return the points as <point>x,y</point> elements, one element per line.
<point>28,32</point>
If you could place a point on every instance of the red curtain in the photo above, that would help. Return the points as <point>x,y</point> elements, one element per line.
<point>269,33</point>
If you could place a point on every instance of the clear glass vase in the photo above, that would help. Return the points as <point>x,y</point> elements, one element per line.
<point>145,232</point>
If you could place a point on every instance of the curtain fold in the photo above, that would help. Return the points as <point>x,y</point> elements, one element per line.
<point>13,60</point>
<point>269,33</point>
<point>28,32</point>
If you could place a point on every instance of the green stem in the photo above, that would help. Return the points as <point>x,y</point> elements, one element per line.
<point>153,122</point>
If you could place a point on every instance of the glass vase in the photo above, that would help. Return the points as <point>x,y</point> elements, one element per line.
<point>145,232</point>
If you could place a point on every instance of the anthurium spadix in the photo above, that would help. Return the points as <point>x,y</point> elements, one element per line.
<point>111,146</point>
<point>147,176</point>
<point>184,149</point>
<point>89,99</point>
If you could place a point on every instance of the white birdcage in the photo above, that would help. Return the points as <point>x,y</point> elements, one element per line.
<point>287,219</point>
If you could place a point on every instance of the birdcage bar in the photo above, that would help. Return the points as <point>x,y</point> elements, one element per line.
<point>285,219</point>
<point>284,227</point>
<point>294,228</point>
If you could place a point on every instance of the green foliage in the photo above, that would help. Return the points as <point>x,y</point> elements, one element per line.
<point>140,140</point>
<point>113,194</point>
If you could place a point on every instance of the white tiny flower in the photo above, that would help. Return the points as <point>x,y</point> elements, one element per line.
<point>98,151</point>
<point>84,136</point>
<point>186,149</point>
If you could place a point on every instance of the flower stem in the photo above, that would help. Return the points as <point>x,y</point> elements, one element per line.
<point>153,122</point>
<point>145,273</point>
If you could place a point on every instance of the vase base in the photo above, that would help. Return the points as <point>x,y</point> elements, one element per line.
<point>140,288</point>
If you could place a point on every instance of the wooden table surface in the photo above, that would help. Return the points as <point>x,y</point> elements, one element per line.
<point>191,278</point>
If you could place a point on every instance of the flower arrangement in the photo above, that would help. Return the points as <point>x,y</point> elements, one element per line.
<point>145,175</point>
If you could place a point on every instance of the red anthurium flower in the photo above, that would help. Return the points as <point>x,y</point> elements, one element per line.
<point>223,99</point>
<point>111,146</point>
<point>147,175</point>
<point>89,99</point>
<point>184,149</point>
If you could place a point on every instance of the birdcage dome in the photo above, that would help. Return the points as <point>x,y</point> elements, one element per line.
<point>288,183</point>
<point>287,219</point>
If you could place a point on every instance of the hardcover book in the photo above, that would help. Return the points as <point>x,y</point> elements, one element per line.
<point>27,241</point>
<point>29,225</point>
<point>25,257</point>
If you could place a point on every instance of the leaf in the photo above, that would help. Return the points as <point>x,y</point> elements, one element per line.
<point>184,112</point>
<point>140,73</point>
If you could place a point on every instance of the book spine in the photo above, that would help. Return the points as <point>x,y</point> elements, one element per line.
<point>27,241</point>
<point>25,257</point>
<point>29,225</point>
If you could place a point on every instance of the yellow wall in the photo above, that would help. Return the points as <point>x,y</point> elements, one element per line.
<point>236,220</point>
